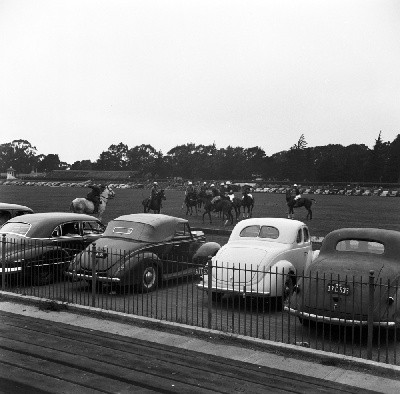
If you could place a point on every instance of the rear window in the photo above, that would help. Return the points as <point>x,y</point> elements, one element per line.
<point>256,231</point>
<point>360,246</point>
<point>16,228</point>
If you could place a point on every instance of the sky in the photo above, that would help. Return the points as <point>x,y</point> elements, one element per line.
<point>80,75</point>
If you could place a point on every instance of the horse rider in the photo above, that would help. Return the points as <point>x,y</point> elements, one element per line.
<point>94,196</point>
<point>222,189</point>
<point>246,192</point>
<point>190,192</point>
<point>153,194</point>
<point>296,192</point>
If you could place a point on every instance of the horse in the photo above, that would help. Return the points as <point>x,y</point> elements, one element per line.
<point>83,205</point>
<point>301,202</point>
<point>247,202</point>
<point>191,200</point>
<point>237,205</point>
<point>155,203</point>
<point>223,206</point>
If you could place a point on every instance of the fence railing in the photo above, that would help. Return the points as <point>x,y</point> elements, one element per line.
<point>356,316</point>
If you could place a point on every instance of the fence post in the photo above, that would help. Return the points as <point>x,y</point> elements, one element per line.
<point>93,262</point>
<point>3,262</point>
<point>209,293</point>
<point>371,290</point>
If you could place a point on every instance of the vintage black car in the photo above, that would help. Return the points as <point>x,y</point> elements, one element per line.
<point>38,247</point>
<point>355,280</point>
<point>9,211</point>
<point>142,250</point>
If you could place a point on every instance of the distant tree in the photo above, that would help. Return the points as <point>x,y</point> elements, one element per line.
<point>114,159</point>
<point>376,166</point>
<point>48,163</point>
<point>393,163</point>
<point>82,165</point>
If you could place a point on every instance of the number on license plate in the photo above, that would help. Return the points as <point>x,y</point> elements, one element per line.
<point>338,288</point>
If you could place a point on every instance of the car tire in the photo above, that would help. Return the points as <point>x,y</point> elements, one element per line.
<point>288,287</point>
<point>149,278</point>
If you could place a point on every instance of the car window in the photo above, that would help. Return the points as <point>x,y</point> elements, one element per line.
<point>256,231</point>
<point>306,234</point>
<point>360,246</point>
<point>16,228</point>
<point>92,227</point>
<point>299,237</point>
<point>68,229</point>
<point>269,232</point>
<point>4,217</point>
<point>182,231</point>
<point>250,231</point>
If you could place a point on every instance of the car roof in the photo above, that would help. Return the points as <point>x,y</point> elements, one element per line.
<point>389,238</point>
<point>52,217</point>
<point>154,219</point>
<point>155,227</point>
<point>5,205</point>
<point>287,228</point>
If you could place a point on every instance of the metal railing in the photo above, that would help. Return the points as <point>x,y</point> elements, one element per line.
<point>355,316</point>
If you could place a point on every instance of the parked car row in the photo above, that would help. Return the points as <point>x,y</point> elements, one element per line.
<point>331,191</point>
<point>264,257</point>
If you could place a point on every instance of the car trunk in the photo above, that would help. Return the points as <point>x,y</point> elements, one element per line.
<point>342,291</point>
<point>237,266</point>
<point>109,252</point>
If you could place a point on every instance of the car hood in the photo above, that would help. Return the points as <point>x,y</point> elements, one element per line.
<point>109,251</point>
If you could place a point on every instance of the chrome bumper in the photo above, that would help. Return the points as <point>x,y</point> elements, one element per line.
<point>336,320</point>
<point>243,292</point>
<point>77,276</point>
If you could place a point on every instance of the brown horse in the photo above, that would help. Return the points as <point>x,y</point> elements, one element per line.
<point>155,204</point>
<point>223,206</point>
<point>247,202</point>
<point>191,201</point>
<point>301,202</point>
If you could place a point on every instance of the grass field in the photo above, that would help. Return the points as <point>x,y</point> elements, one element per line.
<point>330,212</point>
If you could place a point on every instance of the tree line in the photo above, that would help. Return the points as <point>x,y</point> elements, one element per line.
<point>330,163</point>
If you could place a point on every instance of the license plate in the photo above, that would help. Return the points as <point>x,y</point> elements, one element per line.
<point>338,288</point>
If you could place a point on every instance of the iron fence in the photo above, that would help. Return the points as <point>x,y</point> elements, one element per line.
<point>355,316</point>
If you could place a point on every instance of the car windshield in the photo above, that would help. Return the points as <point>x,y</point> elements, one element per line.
<point>257,231</point>
<point>360,246</point>
<point>15,228</point>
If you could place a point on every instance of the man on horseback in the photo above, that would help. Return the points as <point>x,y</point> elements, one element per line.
<point>296,192</point>
<point>190,192</point>
<point>94,196</point>
<point>153,194</point>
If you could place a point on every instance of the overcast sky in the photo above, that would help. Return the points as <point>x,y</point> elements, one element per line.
<point>80,75</point>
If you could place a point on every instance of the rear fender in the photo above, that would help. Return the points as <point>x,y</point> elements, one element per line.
<point>129,270</point>
<point>209,249</point>
<point>276,276</point>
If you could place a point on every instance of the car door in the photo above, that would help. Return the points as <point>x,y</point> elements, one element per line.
<point>68,236</point>
<point>91,231</point>
<point>182,242</point>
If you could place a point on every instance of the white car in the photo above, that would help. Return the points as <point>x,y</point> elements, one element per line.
<point>261,258</point>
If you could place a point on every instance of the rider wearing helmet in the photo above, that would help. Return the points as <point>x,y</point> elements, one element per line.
<point>153,194</point>
<point>296,192</point>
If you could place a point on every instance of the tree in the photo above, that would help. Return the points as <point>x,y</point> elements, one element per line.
<point>114,159</point>
<point>48,163</point>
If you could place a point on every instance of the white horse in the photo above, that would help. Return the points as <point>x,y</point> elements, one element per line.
<point>82,205</point>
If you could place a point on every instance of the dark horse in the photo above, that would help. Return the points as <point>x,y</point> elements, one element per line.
<point>191,200</point>
<point>223,206</point>
<point>155,204</point>
<point>247,202</point>
<point>301,202</point>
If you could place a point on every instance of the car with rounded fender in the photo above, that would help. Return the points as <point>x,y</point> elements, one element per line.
<point>353,282</point>
<point>9,211</point>
<point>38,247</point>
<point>141,251</point>
<point>262,258</point>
